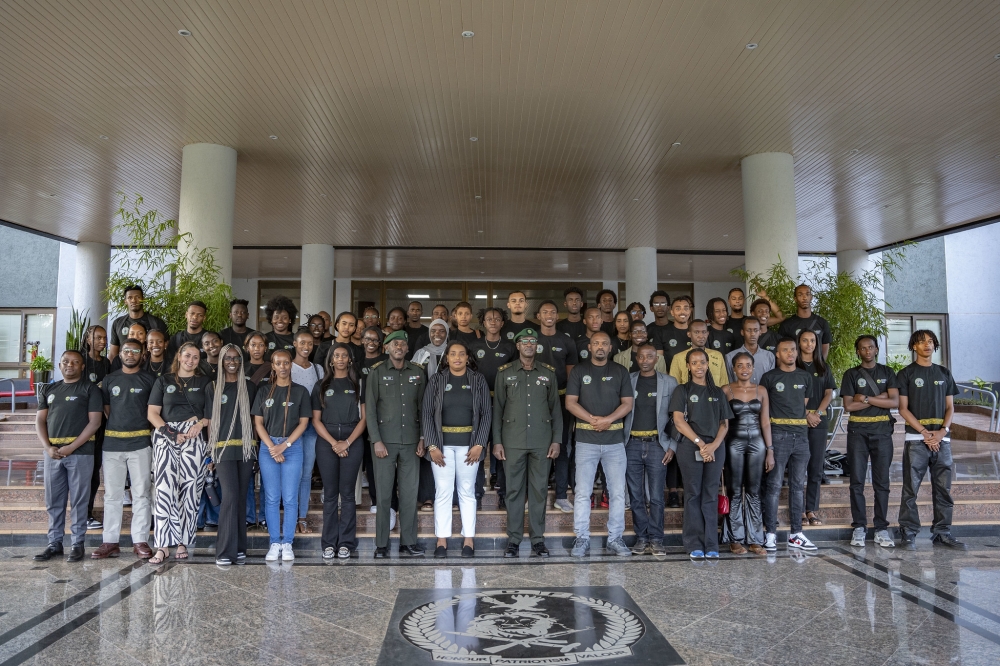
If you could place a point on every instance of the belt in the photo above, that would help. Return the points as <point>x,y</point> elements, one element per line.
<point>587,426</point>
<point>791,422</point>
<point>456,428</point>
<point>230,442</point>
<point>868,419</point>
<point>62,441</point>
<point>562,391</point>
<point>127,434</point>
<point>932,421</point>
<point>644,433</point>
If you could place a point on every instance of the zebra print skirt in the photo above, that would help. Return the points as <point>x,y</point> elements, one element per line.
<point>178,480</point>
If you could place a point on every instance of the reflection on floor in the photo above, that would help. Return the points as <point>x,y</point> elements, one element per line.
<point>842,606</point>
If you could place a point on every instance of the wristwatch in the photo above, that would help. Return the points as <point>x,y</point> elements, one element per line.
<point>432,447</point>
<point>697,440</point>
<point>865,400</point>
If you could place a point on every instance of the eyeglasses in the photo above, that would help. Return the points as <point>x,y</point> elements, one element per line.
<point>368,339</point>
<point>230,359</point>
<point>131,352</point>
<point>528,341</point>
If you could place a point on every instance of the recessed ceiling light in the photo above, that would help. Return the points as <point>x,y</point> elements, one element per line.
<point>853,151</point>
<point>273,137</point>
<point>246,230</point>
<point>478,197</point>
<point>322,196</point>
<point>286,257</point>
<point>669,273</point>
<point>589,259</point>
<point>480,231</point>
<point>483,258</point>
<point>634,199</point>
<point>468,33</point>
<point>996,57</point>
<point>103,137</point>
<point>184,32</point>
<point>473,138</point>
<point>752,45</point>
<point>482,272</point>
<point>676,143</point>
<point>725,235</point>
<point>353,229</point>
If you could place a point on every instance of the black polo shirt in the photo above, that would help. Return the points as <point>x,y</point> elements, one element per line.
<point>95,370</point>
<point>792,326</point>
<point>926,388</point>
<point>119,329</point>
<point>127,397</point>
<point>644,412</point>
<point>574,329</point>
<point>787,393</point>
<point>276,341</point>
<point>871,420</point>
<point>674,340</point>
<point>769,340</point>
<point>818,387</point>
<point>723,341</point>
<point>705,408</point>
<point>272,406</point>
<point>68,411</point>
<point>657,334</point>
<point>510,329</point>
<point>490,356</point>
<point>339,403</point>
<point>231,337</point>
<point>557,350</point>
<point>600,390</point>
<point>180,398</point>
<point>232,440</point>
<point>735,326</point>
<point>178,339</point>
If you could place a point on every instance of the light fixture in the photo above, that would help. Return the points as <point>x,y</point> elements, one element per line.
<point>480,231</point>
<point>481,296</point>
<point>322,196</point>
<point>273,137</point>
<point>353,229</point>
<point>482,272</point>
<point>473,138</point>
<point>103,137</point>
<point>478,197</point>
<point>418,295</point>
<point>854,151</point>
<point>246,230</point>
<point>589,259</point>
<point>996,57</point>
<point>676,143</point>
<point>285,257</point>
<point>752,45</point>
<point>468,34</point>
<point>184,32</point>
<point>725,235</point>
<point>669,273</point>
<point>634,199</point>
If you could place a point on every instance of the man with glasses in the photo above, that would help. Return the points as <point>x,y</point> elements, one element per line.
<point>627,358</point>
<point>659,303</point>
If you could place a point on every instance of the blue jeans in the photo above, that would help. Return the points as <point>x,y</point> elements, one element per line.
<point>645,461</point>
<point>252,503</point>
<point>281,485</point>
<point>612,458</point>
<point>308,440</point>
<point>208,513</point>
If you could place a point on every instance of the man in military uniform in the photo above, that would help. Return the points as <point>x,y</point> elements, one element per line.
<point>527,427</point>
<point>393,399</point>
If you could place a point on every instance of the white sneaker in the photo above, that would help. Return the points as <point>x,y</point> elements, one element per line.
<point>287,555</point>
<point>374,509</point>
<point>392,519</point>
<point>883,539</point>
<point>800,541</point>
<point>127,498</point>
<point>858,537</point>
<point>771,542</point>
<point>273,553</point>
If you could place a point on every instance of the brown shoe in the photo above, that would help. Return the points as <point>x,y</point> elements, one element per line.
<point>106,550</point>
<point>736,548</point>
<point>756,549</point>
<point>143,550</point>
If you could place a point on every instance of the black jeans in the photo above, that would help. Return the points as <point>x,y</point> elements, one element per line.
<point>644,461</point>
<point>95,478</point>
<point>234,477</point>
<point>917,458</point>
<point>701,497</point>
<point>791,451</point>
<point>565,465</point>
<point>817,460</point>
<point>340,477</point>
<point>744,470</point>
<point>862,447</point>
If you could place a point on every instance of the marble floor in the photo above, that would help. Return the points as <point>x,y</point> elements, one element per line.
<point>840,606</point>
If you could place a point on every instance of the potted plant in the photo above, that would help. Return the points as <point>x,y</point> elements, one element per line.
<point>41,367</point>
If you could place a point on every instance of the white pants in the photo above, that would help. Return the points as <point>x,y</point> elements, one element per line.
<point>444,487</point>
<point>136,464</point>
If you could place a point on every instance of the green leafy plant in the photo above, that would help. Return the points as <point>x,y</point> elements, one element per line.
<point>897,361</point>
<point>171,277</point>
<point>40,364</point>
<point>777,283</point>
<point>79,322</point>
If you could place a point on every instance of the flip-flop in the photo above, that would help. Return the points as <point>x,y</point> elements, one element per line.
<point>813,520</point>
<point>166,555</point>
<point>178,555</point>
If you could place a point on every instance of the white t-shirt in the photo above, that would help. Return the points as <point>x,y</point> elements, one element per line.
<point>308,376</point>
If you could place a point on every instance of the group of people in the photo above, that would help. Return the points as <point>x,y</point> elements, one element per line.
<point>662,414</point>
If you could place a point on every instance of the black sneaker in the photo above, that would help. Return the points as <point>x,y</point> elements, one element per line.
<point>479,504</point>
<point>52,550</point>
<point>241,558</point>
<point>539,550</point>
<point>947,540</point>
<point>94,524</point>
<point>440,552</point>
<point>75,553</point>
<point>907,541</point>
<point>513,550</point>
<point>412,551</point>
<point>673,500</point>
<point>501,504</point>
<point>382,553</point>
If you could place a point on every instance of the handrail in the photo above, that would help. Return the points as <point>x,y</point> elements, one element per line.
<point>969,388</point>
<point>12,391</point>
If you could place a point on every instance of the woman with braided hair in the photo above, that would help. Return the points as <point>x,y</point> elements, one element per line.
<point>233,449</point>
<point>96,367</point>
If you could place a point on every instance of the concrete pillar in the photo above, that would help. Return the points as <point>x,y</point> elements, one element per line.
<point>93,266</point>
<point>344,295</point>
<point>640,276</point>
<point>769,213</point>
<point>855,262</point>
<point>208,197</point>
<point>317,280</point>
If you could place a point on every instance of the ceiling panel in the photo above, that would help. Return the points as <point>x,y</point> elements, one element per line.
<point>889,109</point>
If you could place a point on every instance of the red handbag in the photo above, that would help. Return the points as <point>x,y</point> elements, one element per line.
<point>723,505</point>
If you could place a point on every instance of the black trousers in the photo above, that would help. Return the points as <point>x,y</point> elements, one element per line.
<point>426,489</point>
<point>817,460</point>
<point>95,478</point>
<point>862,447</point>
<point>234,477</point>
<point>701,497</point>
<point>917,459</point>
<point>565,464</point>
<point>744,470</point>
<point>340,477</point>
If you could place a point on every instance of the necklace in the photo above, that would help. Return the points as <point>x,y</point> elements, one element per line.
<point>488,343</point>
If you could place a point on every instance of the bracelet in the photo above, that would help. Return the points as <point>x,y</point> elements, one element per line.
<point>432,447</point>
<point>769,448</point>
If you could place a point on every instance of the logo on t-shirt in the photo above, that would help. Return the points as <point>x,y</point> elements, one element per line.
<point>171,388</point>
<point>269,402</point>
<point>115,391</point>
<point>270,345</point>
<point>329,392</point>
<point>716,344</point>
<point>224,399</point>
<point>539,349</point>
<point>510,335</point>
<point>938,382</point>
<point>93,377</point>
<point>447,387</point>
<point>586,379</point>
<point>135,390</point>
<point>798,386</point>
<point>584,353</point>
<point>287,404</point>
<point>51,399</point>
<point>779,386</point>
<point>606,379</point>
<point>672,342</point>
<point>919,382</point>
<point>693,398</point>
<point>862,383</point>
<point>124,330</point>
<point>480,353</point>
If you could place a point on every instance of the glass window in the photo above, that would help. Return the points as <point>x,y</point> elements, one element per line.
<point>400,295</point>
<point>10,338</point>
<point>935,325</point>
<point>17,328</point>
<point>902,326</point>
<point>899,339</point>
<point>39,329</point>
<point>270,289</point>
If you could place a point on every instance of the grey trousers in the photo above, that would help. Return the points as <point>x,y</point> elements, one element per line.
<point>68,478</point>
<point>137,465</point>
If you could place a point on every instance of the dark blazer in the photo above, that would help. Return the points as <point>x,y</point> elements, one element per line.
<point>482,409</point>
<point>665,385</point>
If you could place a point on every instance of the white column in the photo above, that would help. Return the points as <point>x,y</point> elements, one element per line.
<point>317,280</point>
<point>90,278</point>
<point>769,213</point>
<point>855,262</point>
<point>640,276</point>
<point>208,197</point>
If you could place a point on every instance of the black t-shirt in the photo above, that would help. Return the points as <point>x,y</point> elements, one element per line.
<point>96,370</point>
<point>276,341</point>
<point>339,403</point>
<point>735,326</point>
<point>119,329</point>
<point>871,420</point>
<point>574,329</point>
<point>320,352</point>
<point>818,387</point>
<point>792,326</point>
<point>490,356</point>
<point>413,336</point>
<point>367,363</point>
<point>227,409</point>
<point>252,369</point>
<point>557,350</point>
<point>272,406</point>
<point>723,341</point>
<point>705,409</point>
<point>180,398</point>
<point>231,337</point>
<point>600,390</point>
<point>926,388</point>
<point>456,409</point>
<point>619,345</point>
<point>657,334</point>
<point>178,339</point>
<point>610,328</point>
<point>69,407</point>
<point>127,396</point>
<point>510,329</point>
<point>467,338</point>
<point>644,414</point>
<point>769,340</point>
<point>675,340</point>
<point>787,393</point>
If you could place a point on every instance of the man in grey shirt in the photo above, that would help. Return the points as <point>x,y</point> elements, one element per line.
<point>763,360</point>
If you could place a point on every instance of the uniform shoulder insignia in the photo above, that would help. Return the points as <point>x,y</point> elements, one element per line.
<point>547,367</point>
<point>504,367</point>
<point>375,365</point>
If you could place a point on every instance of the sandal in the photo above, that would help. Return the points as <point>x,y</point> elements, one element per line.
<point>157,558</point>
<point>302,527</point>
<point>179,554</point>
<point>813,520</point>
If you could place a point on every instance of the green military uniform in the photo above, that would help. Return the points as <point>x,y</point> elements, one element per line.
<point>527,418</point>
<point>393,399</point>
